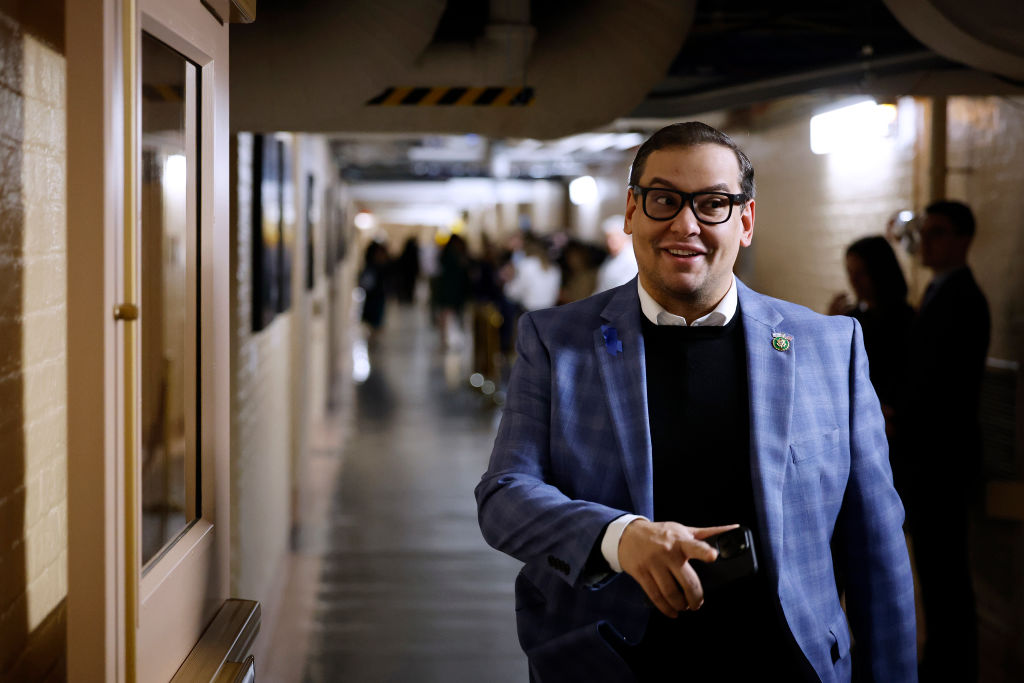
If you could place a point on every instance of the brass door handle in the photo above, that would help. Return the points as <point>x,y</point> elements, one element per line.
<point>126,312</point>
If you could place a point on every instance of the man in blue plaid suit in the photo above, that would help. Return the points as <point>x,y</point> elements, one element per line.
<point>646,419</point>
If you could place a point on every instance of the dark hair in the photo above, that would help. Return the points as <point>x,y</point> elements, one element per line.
<point>372,249</point>
<point>882,267</point>
<point>959,214</point>
<point>691,134</point>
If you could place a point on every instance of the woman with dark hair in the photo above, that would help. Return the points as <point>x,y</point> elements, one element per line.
<point>453,289</point>
<point>884,314</point>
<point>373,281</point>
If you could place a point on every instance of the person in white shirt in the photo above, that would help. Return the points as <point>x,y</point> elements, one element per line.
<point>537,280</point>
<point>620,266</point>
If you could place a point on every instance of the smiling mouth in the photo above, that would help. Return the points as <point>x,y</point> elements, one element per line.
<point>683,252</point>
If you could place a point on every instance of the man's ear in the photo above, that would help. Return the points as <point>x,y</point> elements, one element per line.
<point>963,242</point>
<point>630,210</point>
<point>747,223</point>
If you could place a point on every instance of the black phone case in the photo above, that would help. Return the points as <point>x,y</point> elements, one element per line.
<point>736,559</point>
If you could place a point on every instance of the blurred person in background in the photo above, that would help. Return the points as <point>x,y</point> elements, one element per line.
<point>579,273</point>
<point>620,266</point>
<point>407,271</point>
<point>373,280</point>
<point>536,280</point>
<point>885,316</point>
<point>489,310</point>
<point>485,272</point>
<point>453,289</point>
<point>942,439</point>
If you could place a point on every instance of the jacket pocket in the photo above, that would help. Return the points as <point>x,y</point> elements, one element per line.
<point>815,447</point>
<point>840,631</point>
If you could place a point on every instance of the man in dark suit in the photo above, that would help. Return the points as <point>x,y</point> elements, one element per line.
<point>645,419</point>
<point>942,439</point>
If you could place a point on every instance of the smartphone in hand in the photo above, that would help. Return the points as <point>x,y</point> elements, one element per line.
<point>736,559</point>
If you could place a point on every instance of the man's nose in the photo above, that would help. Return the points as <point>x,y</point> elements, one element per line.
<point>686,222</point>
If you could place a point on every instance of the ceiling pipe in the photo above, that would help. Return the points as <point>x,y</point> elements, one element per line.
<point>498,58</point>
<point>985,34</point>
<point>314,66</point>
<point>301,65</point>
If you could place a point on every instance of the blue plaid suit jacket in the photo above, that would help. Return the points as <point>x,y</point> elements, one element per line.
<point>573,452</point>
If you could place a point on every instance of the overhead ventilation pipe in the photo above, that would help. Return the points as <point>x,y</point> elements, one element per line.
<point>314,66</point>
<point>497,58</point>
<point>987,35</point>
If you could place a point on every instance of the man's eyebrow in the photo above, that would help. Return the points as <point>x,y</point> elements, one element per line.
<point>718,187</point>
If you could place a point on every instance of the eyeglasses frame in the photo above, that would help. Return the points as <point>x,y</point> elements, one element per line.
<point>687,198</point>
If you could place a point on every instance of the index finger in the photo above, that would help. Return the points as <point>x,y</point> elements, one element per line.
<point>700,533</point>
<point>708,553</point>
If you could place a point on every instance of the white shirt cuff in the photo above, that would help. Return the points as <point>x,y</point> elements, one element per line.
<point>612,535</point>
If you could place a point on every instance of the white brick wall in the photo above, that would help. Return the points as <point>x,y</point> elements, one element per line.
<point>810,207</point>
<point>33,393</point>
<point>315,160</point>
<point>260,413</point>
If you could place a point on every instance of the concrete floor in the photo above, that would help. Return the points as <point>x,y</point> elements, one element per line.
<point>391,580</point>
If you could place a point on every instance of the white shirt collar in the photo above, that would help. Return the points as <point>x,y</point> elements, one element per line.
<point>719,316</point>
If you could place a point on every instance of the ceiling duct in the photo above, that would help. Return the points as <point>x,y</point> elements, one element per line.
<point>313,66</point>
<point>985,34</point>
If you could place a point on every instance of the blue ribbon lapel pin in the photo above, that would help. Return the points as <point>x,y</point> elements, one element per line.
<point>611,339</point>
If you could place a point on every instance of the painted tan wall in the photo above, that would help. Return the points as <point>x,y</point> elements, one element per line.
<point>33,315</point>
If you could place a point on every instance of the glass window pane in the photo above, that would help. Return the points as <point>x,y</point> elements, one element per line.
<point>168,246</point>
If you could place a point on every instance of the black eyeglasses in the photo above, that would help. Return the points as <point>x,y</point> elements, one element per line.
<point>710,208</point>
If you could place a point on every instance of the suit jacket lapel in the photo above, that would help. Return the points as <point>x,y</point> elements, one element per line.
<point>771,379</point>
<point>619,346</point>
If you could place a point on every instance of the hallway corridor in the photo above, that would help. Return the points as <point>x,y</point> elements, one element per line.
<point>406,590</point>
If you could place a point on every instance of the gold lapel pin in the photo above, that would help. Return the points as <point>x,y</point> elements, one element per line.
<point>781,341</point>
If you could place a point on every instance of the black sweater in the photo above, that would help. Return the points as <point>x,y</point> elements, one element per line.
<point>700,435</point>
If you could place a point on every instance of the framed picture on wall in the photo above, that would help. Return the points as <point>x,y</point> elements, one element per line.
<point>289,223</point>
<point>342,231</point>
<point>308,220</point>
<point>273,229</point>
<point>266,230</point>
<point>330,230</point>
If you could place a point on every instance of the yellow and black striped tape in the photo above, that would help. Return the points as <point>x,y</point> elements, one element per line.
<point>454,97</point>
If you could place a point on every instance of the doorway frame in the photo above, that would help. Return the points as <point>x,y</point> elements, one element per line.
<point>123,625</point>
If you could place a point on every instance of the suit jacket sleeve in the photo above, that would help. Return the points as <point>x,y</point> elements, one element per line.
<point>520,511</point>
<point>879,584</point>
